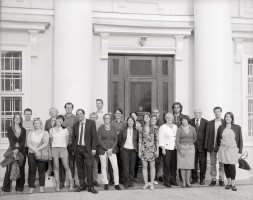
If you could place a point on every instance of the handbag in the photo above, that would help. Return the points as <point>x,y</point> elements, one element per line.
<point>243,164</point>
<point>43,155</point>
<point>15,171</point>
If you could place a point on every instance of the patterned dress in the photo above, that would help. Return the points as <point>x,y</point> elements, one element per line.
<point>148,140</point>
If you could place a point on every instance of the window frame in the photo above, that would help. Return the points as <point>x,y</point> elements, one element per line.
<point>25,93</point>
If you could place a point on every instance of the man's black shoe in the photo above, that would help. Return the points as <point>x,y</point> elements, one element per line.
<point>106,187</point>
<point>175,184</point>
<point>167,185</point>
<point>96,184</point>
<point>131,184</point>
<point>160,178</point>
<point>75,185</point>
<point>194,181</point>
<point>92,190</point>
<point>202,182</point>
<point>111,183</point>
<point>81,188</point>
<point>126,186</point>
<point>221,183</point>
<point>213,183</point>
<point>62,185</point>
<point>117,187</point>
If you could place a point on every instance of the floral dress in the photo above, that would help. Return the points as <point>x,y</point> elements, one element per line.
<point>148,140</point>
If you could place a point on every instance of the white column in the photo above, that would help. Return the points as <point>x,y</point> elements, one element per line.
<point>73,41</point>
<point>213,56</point>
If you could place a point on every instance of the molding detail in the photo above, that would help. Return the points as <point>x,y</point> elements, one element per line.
<point>246,8</point>
<point>179,47</point>
<point>238,49</point>
<point>104,45</point>
<point>33,42</point>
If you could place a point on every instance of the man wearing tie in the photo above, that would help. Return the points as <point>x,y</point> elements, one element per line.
<point>200,153</point>
<point>84,148</point>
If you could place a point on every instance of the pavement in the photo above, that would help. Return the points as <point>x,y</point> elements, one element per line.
<point>245,192</point>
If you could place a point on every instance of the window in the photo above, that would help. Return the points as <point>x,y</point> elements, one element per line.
<point>12,91</point>
<point>250,97</point>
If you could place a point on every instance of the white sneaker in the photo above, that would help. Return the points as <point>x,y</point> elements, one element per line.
<point>30,191</point>
<point>149,183</point>
<point>155,182</point>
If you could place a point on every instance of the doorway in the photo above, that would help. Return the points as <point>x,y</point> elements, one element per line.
<point>141,83</point>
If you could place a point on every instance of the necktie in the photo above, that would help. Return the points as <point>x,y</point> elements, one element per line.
<point>197,124</point>
<point>81,137</point>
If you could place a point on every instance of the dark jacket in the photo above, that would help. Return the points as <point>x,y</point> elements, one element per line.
<point>210,132</point>
<point>238,136</point>
<point>20,140</point>
<point>107,139</point>
<point>123,136</point>
<point>90,136</point>
<point>201,134</point>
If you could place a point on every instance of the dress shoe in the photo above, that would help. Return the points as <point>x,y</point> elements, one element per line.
<point>131,184</point>
<point>117,187</point>
<point>95,183</point>
<point>202,182</point>
<point>160,179</point>
<point>221,183</point>
<point>213,183</point>
<point>75,185</point>
<point>81,188</point>
<point>174,183</point>
<point>106,187</point>
<point>126,186</point>
<point>188,185</point>
<point>92,190</point>
<point>121,181</point>
<point>167,185</point>
<point>194,181</point>
<point>111,183</point>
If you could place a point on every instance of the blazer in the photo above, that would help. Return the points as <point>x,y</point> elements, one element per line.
<point>201,134</point>
<point>123,136</point>
<point>20,140</point>
<point>210,132</point>
<point>238,136</point>
<point>107,139</point>
<point>90,136</point>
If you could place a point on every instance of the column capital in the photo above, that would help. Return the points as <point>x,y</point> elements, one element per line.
<point>239,49</point>
<point>104,45</point>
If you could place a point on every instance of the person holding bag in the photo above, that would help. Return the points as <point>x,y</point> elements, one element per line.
<point>59,141</point>
<point>37,140</point>
<point>17,136</point>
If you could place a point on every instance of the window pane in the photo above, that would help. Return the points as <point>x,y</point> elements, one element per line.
<point>115,67</point>
<point>165,97</point>
<point>140,97</point>
<point>165,68</point>
<point>140,67</point>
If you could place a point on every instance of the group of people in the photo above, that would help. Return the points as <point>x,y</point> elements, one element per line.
<point>164,146</point>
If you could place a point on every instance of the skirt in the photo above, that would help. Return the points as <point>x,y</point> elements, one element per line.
<point>60,152</point>
<point>228,155</point>
<point>186,162</point>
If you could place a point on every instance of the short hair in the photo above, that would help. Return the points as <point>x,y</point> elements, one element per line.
<point>179,104</point>
<point>133,113</point>
<point>93,113</point>
<point>80,110</point>
<point>100,100</point>
<point>68,103</point>
<point>53,108</point>
<point>216,108</point>
<point>197,108</point>
<point>231,115</point>
<point>153,116</point>
<point>21,119</point>
<point>130,117</point>
<point>107,114</point>
<point>60,117</point>
<point>167,115</point>
<point>155,109</point>
<point>28,109</point>
<point>185,117</point>
<point>118,109</point>
<point>39,120</point>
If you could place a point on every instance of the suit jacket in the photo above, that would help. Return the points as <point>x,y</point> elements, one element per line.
<point>90,136</point>
<point>123,136</point>
<point>238,136</point>
<point>201,134</point>
<point>210,132</point>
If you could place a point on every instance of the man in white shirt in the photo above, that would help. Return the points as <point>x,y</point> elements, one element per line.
<point>210,142</point>
<point>100,113</point>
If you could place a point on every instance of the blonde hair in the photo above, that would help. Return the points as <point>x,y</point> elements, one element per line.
<point>39,120</point>
<point>53,108</point>
<point>168,115</point>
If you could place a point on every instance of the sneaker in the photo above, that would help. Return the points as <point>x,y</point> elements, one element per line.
<point>213,183</point>
<point>145,186</point>
<point>228,187</point>
<point>152,187</point>
<point>155,182</point>
<point>117,187</point>
<point>234,188</point>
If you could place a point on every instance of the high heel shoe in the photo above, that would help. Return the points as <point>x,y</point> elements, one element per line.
<point>145,186</point>
<point>188,185</point>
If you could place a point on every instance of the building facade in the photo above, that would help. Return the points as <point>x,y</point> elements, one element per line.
<point>131,54</point>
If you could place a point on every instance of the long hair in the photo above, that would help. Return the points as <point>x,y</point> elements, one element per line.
<point>21,119</point>
<point>130,117</point>
<point>231,115</point>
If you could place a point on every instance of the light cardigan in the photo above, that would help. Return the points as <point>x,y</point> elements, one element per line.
<point>167,136</point>
<point>33,145</point>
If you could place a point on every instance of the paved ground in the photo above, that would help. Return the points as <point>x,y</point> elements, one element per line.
<point>245,192</point>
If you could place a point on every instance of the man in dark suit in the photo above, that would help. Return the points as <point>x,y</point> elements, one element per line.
<point>84,148</point>
<point>200,153</point>
<point>211,133</point>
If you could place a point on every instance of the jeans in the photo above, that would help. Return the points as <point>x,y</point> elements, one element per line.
<point>213,171</point>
